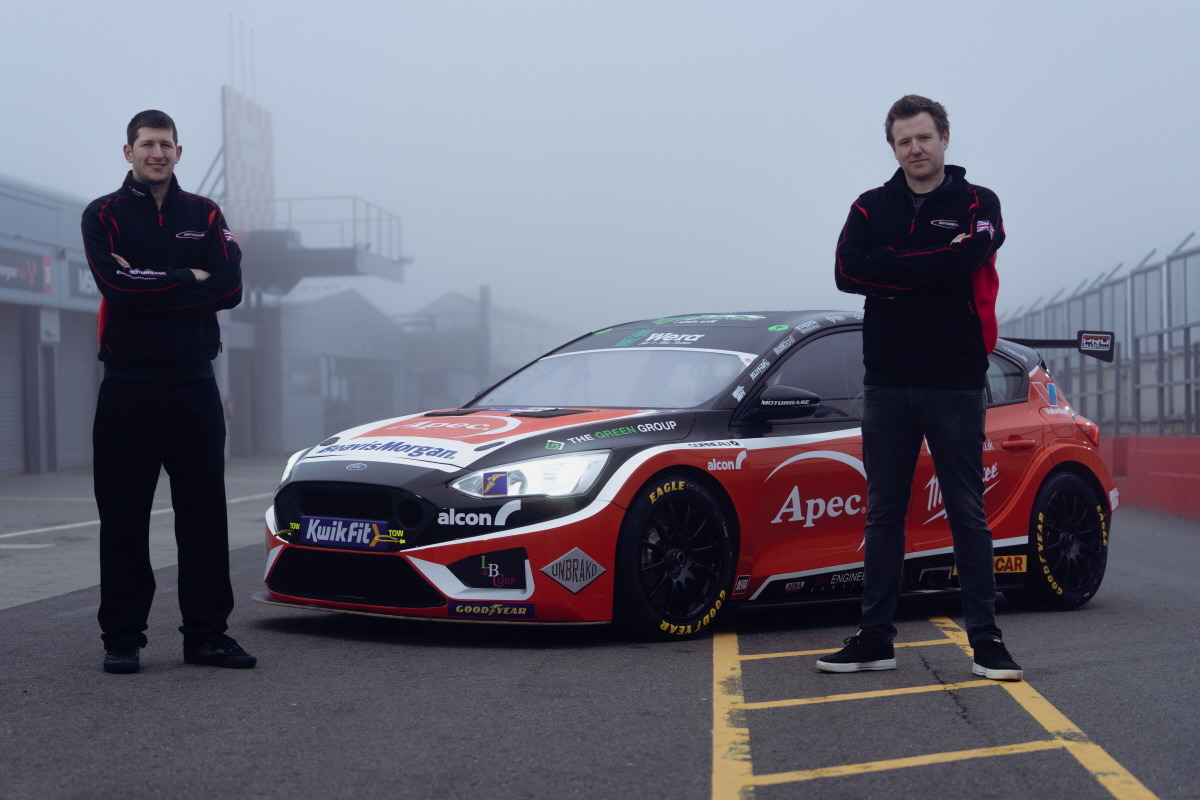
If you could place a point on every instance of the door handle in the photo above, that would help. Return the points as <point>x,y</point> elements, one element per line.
<point>1017,444</point>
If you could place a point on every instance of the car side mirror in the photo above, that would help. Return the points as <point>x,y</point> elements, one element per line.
<point>783,402</point>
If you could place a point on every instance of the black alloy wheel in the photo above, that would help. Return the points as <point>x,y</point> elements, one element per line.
<point>1068,544</point>
<point>674,560</point>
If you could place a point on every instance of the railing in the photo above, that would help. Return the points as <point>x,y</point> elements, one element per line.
<point>1152,386</point>
<point>337,222</point>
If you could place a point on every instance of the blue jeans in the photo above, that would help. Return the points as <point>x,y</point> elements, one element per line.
<point>895,418</point>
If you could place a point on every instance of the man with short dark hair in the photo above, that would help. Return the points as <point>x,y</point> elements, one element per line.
<point>922,248</point>
<point>165,263</point>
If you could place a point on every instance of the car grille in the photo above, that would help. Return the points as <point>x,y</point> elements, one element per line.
<point>369,579</point>
<point>339,500</point>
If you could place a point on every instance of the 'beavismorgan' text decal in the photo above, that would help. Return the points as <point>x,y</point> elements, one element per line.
<point>396,448</point>
<point>513,611</point>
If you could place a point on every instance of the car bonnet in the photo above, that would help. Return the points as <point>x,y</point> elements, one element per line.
<point>456,439</point>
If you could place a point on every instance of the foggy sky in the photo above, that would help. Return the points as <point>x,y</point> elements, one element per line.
<point>596,162</point>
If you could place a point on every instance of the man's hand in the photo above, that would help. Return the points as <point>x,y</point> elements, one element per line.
<point>959,238</point>
<point>201,275</point>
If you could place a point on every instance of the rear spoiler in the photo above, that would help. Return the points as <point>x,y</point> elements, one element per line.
<point>1097,344</point>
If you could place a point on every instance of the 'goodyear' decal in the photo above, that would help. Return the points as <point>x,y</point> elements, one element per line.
<point>684,630</point>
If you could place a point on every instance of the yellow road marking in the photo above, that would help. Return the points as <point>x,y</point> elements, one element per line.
<point>731,768</point>
<point>901,763</point>
<point>835,649</point>
<point>833,698</point>
<point>1119,782</point>
<point>954,633</point>
<point>733,771</point>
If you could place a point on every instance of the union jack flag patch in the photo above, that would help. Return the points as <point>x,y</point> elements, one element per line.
<point>983,226</point>
<point>228,235</point>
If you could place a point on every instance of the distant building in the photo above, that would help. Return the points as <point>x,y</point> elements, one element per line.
<point>325,338</point>
<point>49,374</point>
<point>360,347</point>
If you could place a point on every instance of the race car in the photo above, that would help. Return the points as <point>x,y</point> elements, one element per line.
<point>658,472</point>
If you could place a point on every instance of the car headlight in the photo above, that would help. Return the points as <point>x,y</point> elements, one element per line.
<point>553,476</point>
<point>291,462</point>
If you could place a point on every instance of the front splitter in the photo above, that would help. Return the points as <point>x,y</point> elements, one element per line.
<point>266,599</point>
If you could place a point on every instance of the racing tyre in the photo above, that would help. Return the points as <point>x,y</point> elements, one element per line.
<point>1068,545</point>
<point>674,566</point>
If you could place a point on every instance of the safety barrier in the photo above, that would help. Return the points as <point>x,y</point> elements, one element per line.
<point>1152,386</point>
<point>1157,472</point>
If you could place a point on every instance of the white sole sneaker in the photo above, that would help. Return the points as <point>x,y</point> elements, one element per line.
<point>997,674</point>
<point>857,666</point>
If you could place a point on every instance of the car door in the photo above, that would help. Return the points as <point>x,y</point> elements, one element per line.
<point>1013,436</point>
<point>808,476</point>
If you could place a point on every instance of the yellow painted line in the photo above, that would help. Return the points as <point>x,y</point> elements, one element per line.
<point>1119,782</point>
<point>954,633</point>
<point>1104,768</point>
<point>902,763</point>
<point>731,767</point>
<point>927,643</point>
<point>834,698</point>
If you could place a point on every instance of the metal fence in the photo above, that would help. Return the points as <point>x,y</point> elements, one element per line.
<point>1152,387</point>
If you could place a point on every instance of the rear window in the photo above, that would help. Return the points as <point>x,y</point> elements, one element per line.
<point>1005,381</point>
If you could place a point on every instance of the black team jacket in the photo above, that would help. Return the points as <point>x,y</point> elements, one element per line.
<point>930,317</point>
<point>157,322</point>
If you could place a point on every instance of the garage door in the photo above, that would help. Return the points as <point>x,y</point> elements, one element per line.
<point>78,381</point>
<point>12,391</point>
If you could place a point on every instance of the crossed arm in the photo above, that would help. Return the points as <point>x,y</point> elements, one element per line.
<point>162,290</point>
<point>887,271</point>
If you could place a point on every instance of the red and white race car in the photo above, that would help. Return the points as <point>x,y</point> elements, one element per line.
<point>657,472</point>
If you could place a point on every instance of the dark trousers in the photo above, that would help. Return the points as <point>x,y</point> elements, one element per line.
<point>139,428</point>
<point>895,418</point>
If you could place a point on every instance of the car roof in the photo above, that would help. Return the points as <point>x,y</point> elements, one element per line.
<point>744,332</point>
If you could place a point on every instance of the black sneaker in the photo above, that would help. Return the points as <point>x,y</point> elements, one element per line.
<point>122,658</point>
<point>860,654</point>
<point>218,651</point>
<point>993,661</point>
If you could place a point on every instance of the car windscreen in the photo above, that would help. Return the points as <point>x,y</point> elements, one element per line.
<point>620,378</point>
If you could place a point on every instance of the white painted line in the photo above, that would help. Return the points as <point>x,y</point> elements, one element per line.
<point>97,522</point>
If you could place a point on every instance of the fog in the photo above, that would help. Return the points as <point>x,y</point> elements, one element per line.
<point>596,162</point>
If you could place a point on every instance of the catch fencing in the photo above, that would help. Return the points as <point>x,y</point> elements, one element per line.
<point>1152,386</point>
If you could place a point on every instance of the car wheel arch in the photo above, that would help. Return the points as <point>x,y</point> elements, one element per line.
<point>713,485</point>
<point>1089,477</point>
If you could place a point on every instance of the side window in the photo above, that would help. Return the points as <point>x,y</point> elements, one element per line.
<point>832,368</point>
<point>1004,381</point>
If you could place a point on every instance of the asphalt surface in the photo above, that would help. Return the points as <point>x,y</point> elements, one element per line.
<point>357,707</point>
